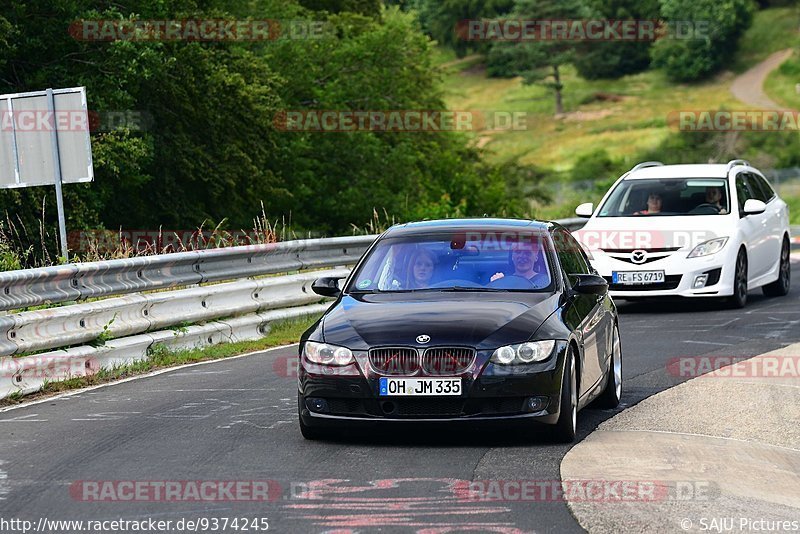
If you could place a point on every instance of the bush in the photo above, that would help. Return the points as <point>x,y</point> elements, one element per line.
<point>687,60</point>
<point>596,60</point>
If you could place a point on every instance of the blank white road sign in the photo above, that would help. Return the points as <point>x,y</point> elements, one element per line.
<point>26,149</point>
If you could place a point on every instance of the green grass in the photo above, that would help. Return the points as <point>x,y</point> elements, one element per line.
<point>780,84</point>
<point>794,209</point>
<point>772,30</point>
<point>159,357</point>
<point>636,122</point>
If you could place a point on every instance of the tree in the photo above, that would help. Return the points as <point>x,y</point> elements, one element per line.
<point>441,19</point>
<point>535,60</point>
<point>706,52</point>
<point>213,151</point>
<point>612,59</point>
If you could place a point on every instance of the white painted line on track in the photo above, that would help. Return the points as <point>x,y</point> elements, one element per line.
<point>72,393</point>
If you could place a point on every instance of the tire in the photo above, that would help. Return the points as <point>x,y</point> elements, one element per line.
<point>312,433</point>
<point>739,298</point>
<point>611,394</point>
<point>564,429</point>
<point>780,287</point>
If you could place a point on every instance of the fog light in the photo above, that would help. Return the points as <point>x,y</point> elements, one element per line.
<point>317,405</point>
<point>536,404</point>
<point>700,281</point>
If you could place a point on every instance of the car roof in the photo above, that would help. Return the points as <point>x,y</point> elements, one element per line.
<point>482,223</point>
<point>695,170</point>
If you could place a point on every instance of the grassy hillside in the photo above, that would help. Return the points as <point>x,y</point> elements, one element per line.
<point>772,30</point>
<point>625,116</point>
<point>781,84</point>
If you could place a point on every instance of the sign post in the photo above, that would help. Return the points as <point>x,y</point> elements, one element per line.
<point>62,224</point>
<point>44,140</point>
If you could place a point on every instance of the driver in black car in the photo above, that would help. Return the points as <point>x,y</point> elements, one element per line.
<point>714,198</point>
<point>523,259</point>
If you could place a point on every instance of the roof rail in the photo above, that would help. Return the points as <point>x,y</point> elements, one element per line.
<point>735,162</point>
<point>645,164</point>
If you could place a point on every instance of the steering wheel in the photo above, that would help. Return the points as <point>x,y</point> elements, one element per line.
<point>512,281</point>
<point>706,206</point>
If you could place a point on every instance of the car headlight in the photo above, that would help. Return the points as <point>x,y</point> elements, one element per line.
<point>712,246</point>
<point>326,354</point>
<point>532,351</point>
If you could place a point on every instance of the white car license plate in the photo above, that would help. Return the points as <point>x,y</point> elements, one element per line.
<point>637,277</point>
<point>420,386</point>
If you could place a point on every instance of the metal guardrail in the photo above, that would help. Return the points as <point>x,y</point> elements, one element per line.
<point>134,322</point>
<point>134,314</point>
<point>32,287</point>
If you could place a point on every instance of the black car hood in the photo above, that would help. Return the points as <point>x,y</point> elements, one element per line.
<point>481,320</point>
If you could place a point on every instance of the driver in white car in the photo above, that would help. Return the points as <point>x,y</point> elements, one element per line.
<point>714,197</point>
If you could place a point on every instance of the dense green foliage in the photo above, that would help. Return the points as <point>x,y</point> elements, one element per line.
<point>693,59</point>
<point>720,23</point>
<point>612,59</point>
<point>212,152</point>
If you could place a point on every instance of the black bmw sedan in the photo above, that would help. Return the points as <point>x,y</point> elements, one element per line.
<point>463,320</point>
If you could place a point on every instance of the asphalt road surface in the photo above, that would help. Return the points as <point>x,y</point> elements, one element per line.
<point>79,457</point>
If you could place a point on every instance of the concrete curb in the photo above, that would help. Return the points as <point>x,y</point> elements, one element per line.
<point>724,445</point>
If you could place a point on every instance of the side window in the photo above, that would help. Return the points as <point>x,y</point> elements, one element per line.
<point>742,191</point>
<point>570,254</point>
<point>763,184</point>
<point>755,187</point>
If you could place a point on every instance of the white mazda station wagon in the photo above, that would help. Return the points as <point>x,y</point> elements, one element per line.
<point>705,230</point>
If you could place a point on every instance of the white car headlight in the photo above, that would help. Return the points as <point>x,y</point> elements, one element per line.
<point>326,354</point>
<point>712,246</point>
<point>533,351</point>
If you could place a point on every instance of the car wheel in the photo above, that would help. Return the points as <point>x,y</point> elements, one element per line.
<point>564,430</point>
<point>312,433</point>
<point>612,393</point>
<point>780,287</point>
<point>739,298</point>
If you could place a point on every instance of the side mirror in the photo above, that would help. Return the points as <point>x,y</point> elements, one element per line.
<point>327,287</point>
<point>753,207</point>
<point>590,284</point>
<point>585,210</point>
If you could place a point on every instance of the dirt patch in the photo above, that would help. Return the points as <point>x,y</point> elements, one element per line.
<point>584,116</point>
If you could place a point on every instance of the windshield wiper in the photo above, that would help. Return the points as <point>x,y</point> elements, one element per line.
<point>469,288</point>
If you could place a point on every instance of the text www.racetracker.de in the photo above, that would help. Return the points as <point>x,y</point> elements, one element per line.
<point>200,524</point>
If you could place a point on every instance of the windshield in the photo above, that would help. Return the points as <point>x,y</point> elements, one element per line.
<point>672,196</point>
<point>462,261</point>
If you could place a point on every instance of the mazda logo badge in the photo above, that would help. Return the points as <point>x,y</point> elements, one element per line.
<point>639,256</point>
<point>423,338</point>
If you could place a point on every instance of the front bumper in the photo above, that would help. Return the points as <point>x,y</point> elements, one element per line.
<point>680,273</point>
<point>489,393</point>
